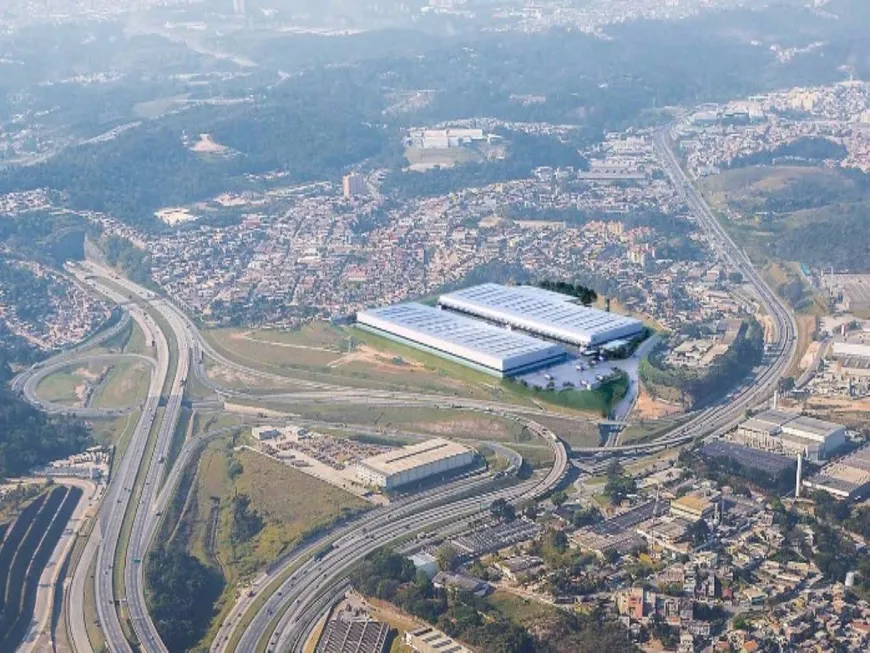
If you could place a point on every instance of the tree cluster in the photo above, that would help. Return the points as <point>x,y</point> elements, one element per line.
<point>44,236</point>
<point>123,254</point>
<point>391,577</point>
<point>586,295</point>
<point>855,519</point>
<point>810,149</point>
<point>619,484</point>
<point>525,152</point>
<point>182,592</point>
<point>29,437</point>
<point>838,236</point>
<point>246,522</point>
<point>502,510</point>
<point>725,372</point>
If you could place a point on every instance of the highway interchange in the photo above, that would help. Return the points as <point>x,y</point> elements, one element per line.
<point>295,592</point>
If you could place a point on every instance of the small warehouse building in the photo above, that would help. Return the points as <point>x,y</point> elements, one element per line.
<point>414,463</point>
<point>543,313</point>
<point>482,346</point>
<point>847,478</point>
<point>693,507</point>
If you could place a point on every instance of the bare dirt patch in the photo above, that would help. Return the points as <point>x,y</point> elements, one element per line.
<point>89,375</point>
<point>380,362</point>
<point>647,407</point>
<point>207,145</point>
<point>232,377</point>
<point>272,343</point>
<point>82,392</point>
<point>810,355</point>
<point>843,405</point>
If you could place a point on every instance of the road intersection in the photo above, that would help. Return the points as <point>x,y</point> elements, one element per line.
<point>295,592</point>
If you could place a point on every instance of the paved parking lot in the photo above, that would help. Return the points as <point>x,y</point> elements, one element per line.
<point>575,372</point>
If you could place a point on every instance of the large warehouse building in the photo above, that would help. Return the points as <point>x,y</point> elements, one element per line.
<point>791,434</point>
<point>542,312</point>
<point>473,343</point>
<point>414,463</point>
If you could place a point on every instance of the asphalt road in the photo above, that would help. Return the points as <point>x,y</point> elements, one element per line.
<point>312,586</point>
<point>314,579</point>
<point>317,583</point>
<point>313,594</point>
<point>28,382</point>
<point>147,513</point>
<point>39,637</point>
<point>117,497</point>
<point>70,352</point>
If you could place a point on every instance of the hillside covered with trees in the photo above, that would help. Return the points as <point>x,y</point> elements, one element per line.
<point>29,437</point>
<point>700,389</point>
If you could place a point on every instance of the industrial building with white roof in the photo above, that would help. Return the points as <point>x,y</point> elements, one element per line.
<point>471,342</point>
<point>542,312</point>
<point>790,433</point>
<point>413,463</point>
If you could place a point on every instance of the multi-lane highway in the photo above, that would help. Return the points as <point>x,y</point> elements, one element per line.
<point>309,584</point>
<point>315,582</point>
<point>146,514</point>
<point>312,579</point>
<point>117,499</point>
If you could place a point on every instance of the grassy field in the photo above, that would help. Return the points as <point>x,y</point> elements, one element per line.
<point>125,385</point>
<point>648,430</point>
<point>536,455</point>
<point>366,360</point>
<point>114,430</point>
<point>291,504</point>
<point>748,187</point>
<point>596,402</point>
<point>763,206</point>
<point>164,326</point>
<point>314,346</point>
<point>352,357</point>
<point>526,612</point>
<point>61,387</point>
<point>136,342</point>
<point>422,420</point>
<point>576,434</point>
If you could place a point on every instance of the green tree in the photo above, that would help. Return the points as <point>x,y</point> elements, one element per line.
<point>559,498</point>
<point>619,484</point>
<point>501,509</point>
<point>181,593</point>
<point>447,557</point>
